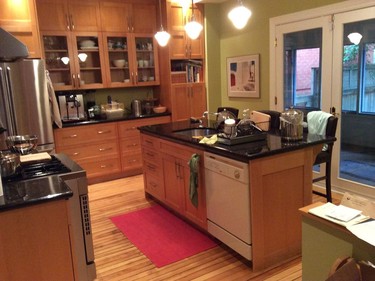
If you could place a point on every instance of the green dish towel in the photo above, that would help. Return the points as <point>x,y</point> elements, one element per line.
<point>194,168</point>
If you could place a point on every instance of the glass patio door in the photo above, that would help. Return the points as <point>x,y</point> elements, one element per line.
<point>354,76</point>
<point>303,67</point>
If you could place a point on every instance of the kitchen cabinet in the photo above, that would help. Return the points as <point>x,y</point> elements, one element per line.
<point>152,167</point>
<point>20,19</point>
<point>139,52</point>
<point>70,65</point>
<point>167,177</point>
<point>68,15</point>
<point>94,147</point>
<point>181,46</point>
<point>128,16</point>
<point>40,232</point>
<point>188,100</point>
<point>130,143</point>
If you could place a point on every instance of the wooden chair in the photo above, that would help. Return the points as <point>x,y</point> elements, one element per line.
<point>325,156</point>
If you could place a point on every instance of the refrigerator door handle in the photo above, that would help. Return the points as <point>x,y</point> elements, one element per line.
<point>10,111</point>
<point>5,90</point>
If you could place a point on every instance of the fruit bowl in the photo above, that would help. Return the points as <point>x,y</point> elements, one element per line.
<point>22,144</point>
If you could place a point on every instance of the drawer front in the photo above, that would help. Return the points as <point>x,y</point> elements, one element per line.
<point>92,150</point>
<point>150,142</point>
<point>100,166</point>
<point>150,155</point>
<point>131,144</point>
<point>129,128</point>
<point>131,161</point>
<point>152,168</point>
<point>85,134</point>
<point>154,186</point>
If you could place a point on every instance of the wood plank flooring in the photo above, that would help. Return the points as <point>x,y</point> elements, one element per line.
<point>117,259</point>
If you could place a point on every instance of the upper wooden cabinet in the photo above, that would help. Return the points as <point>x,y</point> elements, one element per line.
<point>181,46</point>
<point>128,16</point>
<point>71,15</point>
<point>19,18</point>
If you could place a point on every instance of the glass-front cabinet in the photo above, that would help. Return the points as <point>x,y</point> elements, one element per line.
<point>74,60</point>
<point>131,60</point>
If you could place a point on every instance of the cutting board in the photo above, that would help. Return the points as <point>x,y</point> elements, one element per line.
<point>260,119</point>
<point>35,157</point>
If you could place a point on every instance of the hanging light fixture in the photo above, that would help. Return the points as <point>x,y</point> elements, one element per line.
<point>193,28</point>
<point>162,36</point>
<point>355,37</point>
<point>239,15</point>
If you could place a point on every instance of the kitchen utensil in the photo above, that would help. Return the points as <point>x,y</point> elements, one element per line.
<point>291,125</point>
<point>9,163</point>
<point>136,107</point>
<point>22,144</point>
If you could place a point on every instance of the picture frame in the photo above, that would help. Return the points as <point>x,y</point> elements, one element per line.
<point>243,76</point>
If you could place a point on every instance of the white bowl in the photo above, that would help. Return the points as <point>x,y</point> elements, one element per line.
<point>119,63</point>
<point>87,43</point>
<point>160,109</point>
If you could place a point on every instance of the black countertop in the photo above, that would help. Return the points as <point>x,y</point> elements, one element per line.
<point>273,143</point>
<point>23,193</point>
<point>74,123</point>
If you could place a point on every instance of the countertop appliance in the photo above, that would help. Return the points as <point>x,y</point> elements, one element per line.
<point>24,100</point>
<point>72,107</point>
<point>228,202</point>
<point>136,107</point>
<point>78,206</point>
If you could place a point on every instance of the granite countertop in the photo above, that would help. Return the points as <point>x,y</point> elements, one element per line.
<point>272,144</point>
<point>23,193</point>
<point>103,120</point>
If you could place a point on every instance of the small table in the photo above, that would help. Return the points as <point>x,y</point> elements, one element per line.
<point>324,241</point>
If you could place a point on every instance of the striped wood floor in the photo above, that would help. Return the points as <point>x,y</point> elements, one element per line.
<point>117,259</point>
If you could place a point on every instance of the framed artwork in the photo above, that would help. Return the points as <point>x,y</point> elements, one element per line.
<point>243,76</point>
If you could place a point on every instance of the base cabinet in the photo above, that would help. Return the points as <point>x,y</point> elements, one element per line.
<point>35,244</point>
<point>167,177</point>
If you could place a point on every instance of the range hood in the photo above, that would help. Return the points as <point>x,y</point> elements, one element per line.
<point>11,48</point>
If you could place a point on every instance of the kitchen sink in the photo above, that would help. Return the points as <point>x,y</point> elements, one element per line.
<point>196,132</point>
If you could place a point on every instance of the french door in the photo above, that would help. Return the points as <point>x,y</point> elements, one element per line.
<point>310,73</point>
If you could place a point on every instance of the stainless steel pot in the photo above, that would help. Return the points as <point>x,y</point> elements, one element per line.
<point>291,125</point>
<point>9,163</point>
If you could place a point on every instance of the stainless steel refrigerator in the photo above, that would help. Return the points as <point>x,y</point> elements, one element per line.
<point>24,99</point>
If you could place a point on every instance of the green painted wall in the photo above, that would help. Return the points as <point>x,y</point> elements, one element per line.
<point>224,41</point>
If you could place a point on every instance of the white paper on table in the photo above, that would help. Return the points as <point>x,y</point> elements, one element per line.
<point>364,231</point>
<point>343,213</point>
<point>321,211</point>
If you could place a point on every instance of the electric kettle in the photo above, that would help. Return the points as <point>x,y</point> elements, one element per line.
<point>136,107</point>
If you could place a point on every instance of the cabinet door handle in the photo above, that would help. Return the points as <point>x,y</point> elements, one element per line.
<point>136,77</point>
<point>72,22</point>
<point>105,149</point>
<point>189,50</point>
<point>186,50</point>
<point>78,80</point>
<point>103,132</point>
<point>71,136</point>
<point>67,22</point>
<point>75,153</point>
<point>74,80</point>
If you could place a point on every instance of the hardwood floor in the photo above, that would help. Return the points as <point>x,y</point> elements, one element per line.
<point>117,259</point>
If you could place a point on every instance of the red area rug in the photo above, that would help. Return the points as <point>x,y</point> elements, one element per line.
<point>161,236</point>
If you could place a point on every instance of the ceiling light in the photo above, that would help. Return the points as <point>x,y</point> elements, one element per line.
<point>355,37</point>
<point>65,60</point>
<point>162,36</point>
<point>239,15</point>
<point>193,28</point>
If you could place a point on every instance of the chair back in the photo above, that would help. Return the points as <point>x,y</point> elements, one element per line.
<point>230,109</point>
<point>275,118</point>
<point>331,131</point>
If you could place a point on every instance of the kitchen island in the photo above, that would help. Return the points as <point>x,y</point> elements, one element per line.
<point>280,182</point>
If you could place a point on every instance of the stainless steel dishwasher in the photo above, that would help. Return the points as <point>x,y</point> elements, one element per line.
<point>228,202</point>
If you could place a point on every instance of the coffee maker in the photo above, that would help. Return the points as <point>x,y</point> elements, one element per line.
<point>71,107</point>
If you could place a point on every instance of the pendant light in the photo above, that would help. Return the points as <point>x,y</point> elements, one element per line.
<point>162,36</point>
<point>355,38</point>
<point>193,28</point>
<point>239,15</point>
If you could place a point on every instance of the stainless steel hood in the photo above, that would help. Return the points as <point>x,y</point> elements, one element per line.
<point>11,49</point>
